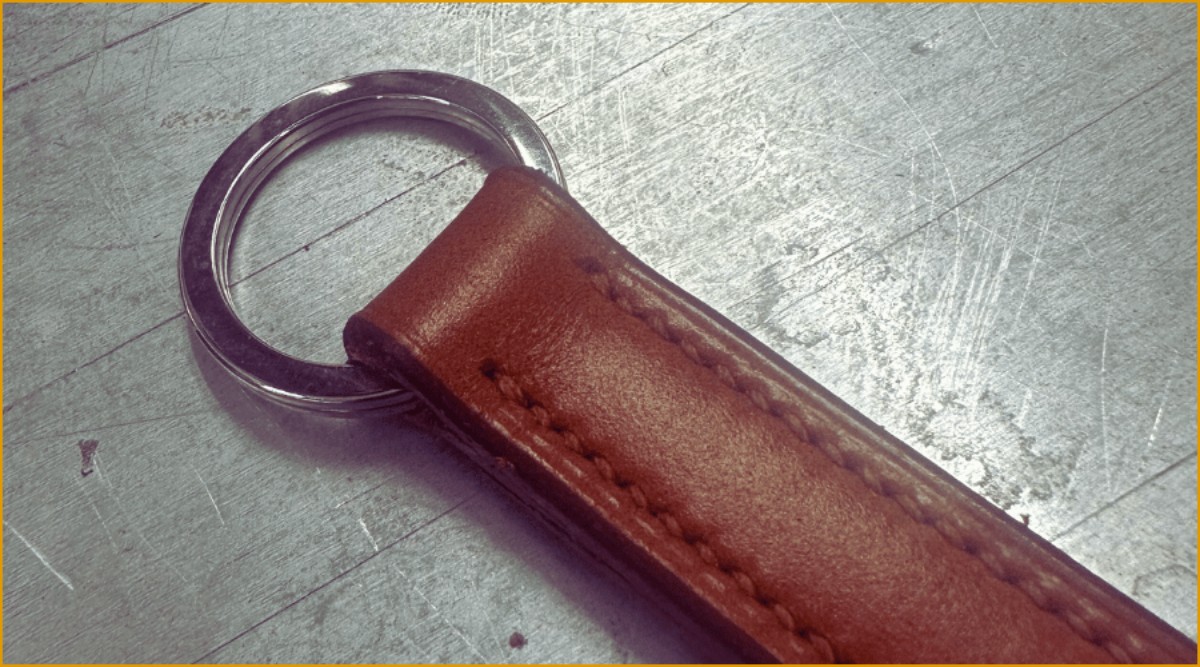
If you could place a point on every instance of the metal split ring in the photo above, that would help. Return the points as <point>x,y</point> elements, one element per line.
<point>217,208</point>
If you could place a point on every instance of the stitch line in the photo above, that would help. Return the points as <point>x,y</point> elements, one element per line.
<point>1038,592</point>
<point>511,390</point>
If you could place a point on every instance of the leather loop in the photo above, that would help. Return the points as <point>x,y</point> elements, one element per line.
<point>750,495</point>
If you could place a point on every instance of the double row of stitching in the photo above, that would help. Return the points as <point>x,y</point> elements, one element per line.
<point>1043,590</point>
<point>511,390</point>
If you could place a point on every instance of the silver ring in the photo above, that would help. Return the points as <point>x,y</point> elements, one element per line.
<point>230,184</point>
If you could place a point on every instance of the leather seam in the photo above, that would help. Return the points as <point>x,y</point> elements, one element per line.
<point>1037,592</point>
<point>516,395</point>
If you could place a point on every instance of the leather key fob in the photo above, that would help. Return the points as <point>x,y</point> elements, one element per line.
<point>623,409</point>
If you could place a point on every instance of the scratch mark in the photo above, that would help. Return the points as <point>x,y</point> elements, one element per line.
<point>437,611</point>
<point>895,91</point>
<point>1034,158</point>
<point>491,621</point>
<point>989,302</point>
<point>1080,240</point>
<point>640,63</point>
<point>1189,460</point>
<point>110,247</point>
<point>1104,407</point>
<point>136,422</point>
<point>626,141</point>
<point>1039,245</point>
<point>129,203</point>
<point>142,536</point>
<point>99,516</point>
<point>220,43</point>
<point>108,203</point>
<point>150,70</point>
<point>623,30</point>
<point>87,87</point>
<point>207,657</point>
<point>17,401</point>
<point>844,140</point>
<point>106,45</point>
<point>912,182</point>
<point>100,473</point>
<point>1158,415</point>
<point>367,532</point>
<point>218,71</point>
<point>210,495</point>
<point>356,496</point>
<point>1019,422</point>
<point>986,32</point>
<point>863,28</point>
<point>66,582</point>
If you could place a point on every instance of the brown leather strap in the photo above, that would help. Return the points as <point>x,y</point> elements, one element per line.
<point>763,504</point>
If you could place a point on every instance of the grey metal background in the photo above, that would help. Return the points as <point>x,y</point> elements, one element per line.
<point>975,223</point>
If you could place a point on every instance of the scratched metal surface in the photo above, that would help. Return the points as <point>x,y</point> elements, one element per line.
<point>974,223</point>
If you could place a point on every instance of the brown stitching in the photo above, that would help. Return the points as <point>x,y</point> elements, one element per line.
<point>1036,591</point>
<point>511,390</point>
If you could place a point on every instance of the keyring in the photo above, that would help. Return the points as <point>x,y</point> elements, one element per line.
<point>220,201</point>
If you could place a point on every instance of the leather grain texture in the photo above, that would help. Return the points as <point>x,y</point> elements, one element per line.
<point>759,502</point>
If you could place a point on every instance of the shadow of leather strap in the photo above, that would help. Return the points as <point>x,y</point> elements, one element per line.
<point>623,409</point>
